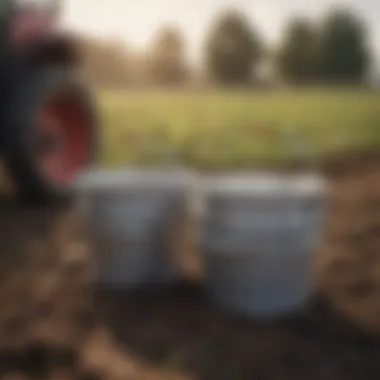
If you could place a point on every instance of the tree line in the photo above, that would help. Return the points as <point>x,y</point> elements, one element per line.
<point>332,51</point>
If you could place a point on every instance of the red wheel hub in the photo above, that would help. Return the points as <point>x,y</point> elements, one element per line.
<point>63,143</point>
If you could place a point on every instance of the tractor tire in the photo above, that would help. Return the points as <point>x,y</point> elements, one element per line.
<point>51,135</point>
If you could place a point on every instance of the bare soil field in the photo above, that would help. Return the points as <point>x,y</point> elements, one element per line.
<point>54,325</point>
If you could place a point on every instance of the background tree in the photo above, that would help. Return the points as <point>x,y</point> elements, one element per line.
<point>166,61</point>
<point>344,56</point>
<point>233,49</point>
<point>297,56</point>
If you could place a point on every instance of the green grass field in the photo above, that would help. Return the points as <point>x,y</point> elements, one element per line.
<point>221,130</point>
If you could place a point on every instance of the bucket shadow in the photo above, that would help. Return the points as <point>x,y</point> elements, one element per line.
<point>179,330</point>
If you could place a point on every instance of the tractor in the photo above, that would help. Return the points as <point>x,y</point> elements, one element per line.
<point>48,131</point>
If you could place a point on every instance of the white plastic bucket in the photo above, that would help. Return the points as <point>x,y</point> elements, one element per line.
<point>121,263</point>
<point>258,237</point>
<point>128,212</point>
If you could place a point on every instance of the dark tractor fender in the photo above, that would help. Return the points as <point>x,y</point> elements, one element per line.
<point>56,50</point>
<point>60,51</point>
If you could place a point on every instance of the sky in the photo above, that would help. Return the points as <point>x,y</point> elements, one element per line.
<point>136,20</point>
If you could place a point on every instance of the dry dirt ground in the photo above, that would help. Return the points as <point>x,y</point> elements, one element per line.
<point>53,325</point>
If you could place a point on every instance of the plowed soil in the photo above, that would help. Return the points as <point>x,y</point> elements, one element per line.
<point>54,325</point>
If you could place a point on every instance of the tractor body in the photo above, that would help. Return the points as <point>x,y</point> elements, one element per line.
<point>48,129</point>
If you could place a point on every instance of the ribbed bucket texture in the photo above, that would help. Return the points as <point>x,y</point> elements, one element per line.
<point>258,236</point>
<point>129,213</point>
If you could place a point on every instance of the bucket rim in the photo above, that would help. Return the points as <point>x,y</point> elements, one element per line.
<point>265,184</point>
<point>133,178</point>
